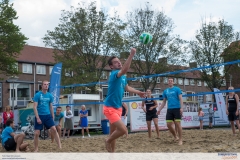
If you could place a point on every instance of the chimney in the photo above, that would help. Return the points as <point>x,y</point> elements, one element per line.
<point>163,60</point>
<point>193,65</point>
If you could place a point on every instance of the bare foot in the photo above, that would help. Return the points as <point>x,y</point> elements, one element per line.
<point>180,142</point>
<point>108,146</point>
<point>36,150</point>
<point>176,139</point>
<point>17,151</point>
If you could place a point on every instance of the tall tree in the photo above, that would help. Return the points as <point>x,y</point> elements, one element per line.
<point>83,40</point>
<point>11,39</point>
<point>211,40</point>
<point>165,47</point>
<point>232,53</point>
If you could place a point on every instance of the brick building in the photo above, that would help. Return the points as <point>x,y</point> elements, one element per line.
<point>36,64</point>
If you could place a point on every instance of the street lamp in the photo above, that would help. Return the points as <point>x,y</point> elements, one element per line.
<point>13,79</point>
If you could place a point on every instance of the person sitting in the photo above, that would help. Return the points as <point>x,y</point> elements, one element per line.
<point>11,140</point>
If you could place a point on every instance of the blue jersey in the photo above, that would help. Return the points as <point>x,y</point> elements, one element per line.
<point>172,95</point>
<point>58,117</point>
<point>116,88</point>
<point>6,134</point>
<point>43,101</point>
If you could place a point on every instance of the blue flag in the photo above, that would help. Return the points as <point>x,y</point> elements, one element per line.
<point>55,81</point>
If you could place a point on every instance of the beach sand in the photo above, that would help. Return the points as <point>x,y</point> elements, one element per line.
<point>194,140</point>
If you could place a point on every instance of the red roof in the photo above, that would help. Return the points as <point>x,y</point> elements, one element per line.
<point>33,54</point>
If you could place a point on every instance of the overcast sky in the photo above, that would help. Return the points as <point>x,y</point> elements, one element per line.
<point>38,16</point>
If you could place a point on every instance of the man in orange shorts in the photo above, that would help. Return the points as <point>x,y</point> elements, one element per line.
<point>112,109</point>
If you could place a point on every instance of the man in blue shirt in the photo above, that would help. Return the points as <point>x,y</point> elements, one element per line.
<point>112,109</point>
<point>175,109</point>
<point>12,141</point>
<point>58,117</point>
<point>42,108</point>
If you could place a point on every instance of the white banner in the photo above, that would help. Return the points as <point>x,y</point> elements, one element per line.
<point>221,105</point>
<point>138,116</point>
<point>217,119</point>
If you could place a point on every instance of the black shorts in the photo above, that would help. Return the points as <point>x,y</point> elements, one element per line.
<point>10,144</point>
<point>210,119</point>
<point>232,116</point>
<point>173,114</point>
<point>151,116</point>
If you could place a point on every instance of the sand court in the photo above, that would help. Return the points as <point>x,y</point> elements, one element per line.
<point>194,140</point>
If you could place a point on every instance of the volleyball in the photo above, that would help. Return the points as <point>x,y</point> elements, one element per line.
<point>145,38</point>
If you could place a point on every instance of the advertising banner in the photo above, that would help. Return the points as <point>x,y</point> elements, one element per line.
<point>55,82</point>
<point>138,116</point>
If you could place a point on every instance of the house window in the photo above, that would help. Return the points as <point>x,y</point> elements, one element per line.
<point>39,87</point>
<point>126,94</point>
<point>157,91</point>
<point>165,80</point>
<point>192,82</point>
<point>104,75</point>
<point>23,91</point>
<point>50,70</point>
<point>134,76</point>
<point>26,68</point>
<point>200,98</point>
<point>158,79</point>
<point>205,84</point>
<point>190,97</point>
<point>41,69</point>
<point>199,83</point>
<point>150,79</point>
<point>180,81</point>
<point>186,81</point>
<point>175,80</point>
<point>83,92</point>
<point>208,98</point>
<point>224,82</point>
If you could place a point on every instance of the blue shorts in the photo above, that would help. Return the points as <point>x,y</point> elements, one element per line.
<point>200,118</point>
<point>47,121</point>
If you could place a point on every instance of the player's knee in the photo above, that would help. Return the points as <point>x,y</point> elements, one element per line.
<point>124,130</point>
<point>53,129</point>
<point>22,134</point>
<point>169,124</point>
<point>36,133</point>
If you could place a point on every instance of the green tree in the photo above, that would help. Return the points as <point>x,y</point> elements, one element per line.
<point>165,48</point>
<point>232,53</point>
<point>211,40</point>
<point>11,39</point>
<point>83,41</point>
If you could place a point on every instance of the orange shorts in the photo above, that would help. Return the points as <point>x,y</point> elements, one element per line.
<point>112,114</point>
